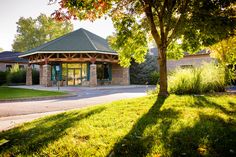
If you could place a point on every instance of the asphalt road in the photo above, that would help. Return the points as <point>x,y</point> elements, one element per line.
<point>13,113</point>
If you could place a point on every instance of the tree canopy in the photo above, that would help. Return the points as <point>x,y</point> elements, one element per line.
<point>225,52</point>
<point>34,32</point>
<point>197,22</point>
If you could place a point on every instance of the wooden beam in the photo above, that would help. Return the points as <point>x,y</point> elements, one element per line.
<point>88,55</point>
<point>50,55</point>
<point>64,55</point>
<point>73,56</point>
<point>40,58</point>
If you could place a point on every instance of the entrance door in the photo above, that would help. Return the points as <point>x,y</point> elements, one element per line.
<point>74,77</point>
<point>78,78</point>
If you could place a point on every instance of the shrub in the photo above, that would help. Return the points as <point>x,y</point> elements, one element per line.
<point>213,78</point>
<point>154,78</point>
<point>139,73</point>
<point>16,75</point>
<point>3,77</point>
<point>207,78</point>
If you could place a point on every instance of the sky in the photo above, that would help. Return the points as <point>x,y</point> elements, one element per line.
<point>12,10</point>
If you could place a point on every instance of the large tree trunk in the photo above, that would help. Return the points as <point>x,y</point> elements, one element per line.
<point>163,72</point>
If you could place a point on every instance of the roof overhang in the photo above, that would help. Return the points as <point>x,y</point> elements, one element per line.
<point>13,62</point>
<point>49,52</point>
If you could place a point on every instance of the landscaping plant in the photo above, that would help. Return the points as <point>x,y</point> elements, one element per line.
<point>3,77</point>
<point>16,75</point>
<point>207,78</point>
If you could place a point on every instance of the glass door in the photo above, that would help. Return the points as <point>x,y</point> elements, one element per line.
<point>74,77</point>
<point>74,73</point>
<point>78,77</point>
<point>70,78</point>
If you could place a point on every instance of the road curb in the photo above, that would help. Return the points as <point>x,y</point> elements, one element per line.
<point>38,98</point>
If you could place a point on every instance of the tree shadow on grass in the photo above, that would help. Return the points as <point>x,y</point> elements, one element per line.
<point>136,143</point>
<point>211,135</point>
<point>202,101</point>
<point>31,137</point>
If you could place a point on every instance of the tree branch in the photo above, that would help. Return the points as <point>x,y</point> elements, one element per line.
<point>178,22</point>
<point>149,14</point>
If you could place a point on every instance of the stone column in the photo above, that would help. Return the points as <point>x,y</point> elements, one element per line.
<point>29,75</point>
<point>93,75</point>
<point>125,76</point>
<point>41,74</point>
<point>46,81</point>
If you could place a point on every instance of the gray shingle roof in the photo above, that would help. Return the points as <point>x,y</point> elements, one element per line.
<point>79,40</point>
<point>9,56</point>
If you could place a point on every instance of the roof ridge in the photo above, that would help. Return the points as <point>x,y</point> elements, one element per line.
<point>84,31</point>
<point>54,40</point>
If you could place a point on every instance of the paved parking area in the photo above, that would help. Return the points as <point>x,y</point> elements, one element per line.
<point>12,113</point>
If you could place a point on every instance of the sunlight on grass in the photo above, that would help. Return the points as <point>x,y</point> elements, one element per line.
<point>148,126</point>
<point>15,93</point>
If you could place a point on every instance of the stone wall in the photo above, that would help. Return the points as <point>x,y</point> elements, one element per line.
<point>194,61</point>
<point>93,75</point>
<point>29,75</point>
<point>46,80</point>
<point>41,74</point>
<point>120,75</point>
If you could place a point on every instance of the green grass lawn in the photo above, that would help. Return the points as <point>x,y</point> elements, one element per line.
<point>15,93</point>
<point>147,126</point>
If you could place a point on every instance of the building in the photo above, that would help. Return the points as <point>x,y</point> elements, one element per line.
<point>78,58</point>
<point>8,59</point>
<point>190,60</point>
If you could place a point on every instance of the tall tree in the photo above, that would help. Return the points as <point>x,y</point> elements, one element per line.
<point>34,32</point>
<point>197,22</point>
<point>225,52</point>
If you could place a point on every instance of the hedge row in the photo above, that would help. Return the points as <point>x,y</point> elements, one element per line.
<point>17,77</point>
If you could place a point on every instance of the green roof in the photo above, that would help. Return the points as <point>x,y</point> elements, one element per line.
<point>78,40</point>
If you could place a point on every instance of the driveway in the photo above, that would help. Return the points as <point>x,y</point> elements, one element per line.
<point>12,113</point>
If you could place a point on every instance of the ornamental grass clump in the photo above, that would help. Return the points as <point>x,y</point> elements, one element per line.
<point>207,78</point>
<point>213,78</point>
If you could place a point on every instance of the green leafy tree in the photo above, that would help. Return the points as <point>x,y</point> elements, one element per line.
<point>225,52</point>
<point>197,22</point>
<point>34,32</point>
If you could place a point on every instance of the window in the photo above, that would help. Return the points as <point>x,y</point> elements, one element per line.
<point>21,67</point>
<point>186,66</point>
<point>8,67</point>
<point>103,71</point>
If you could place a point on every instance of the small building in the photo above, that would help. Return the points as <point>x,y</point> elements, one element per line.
<point>77,58</point>
<point>190,60</point>
<point>8,59</point>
